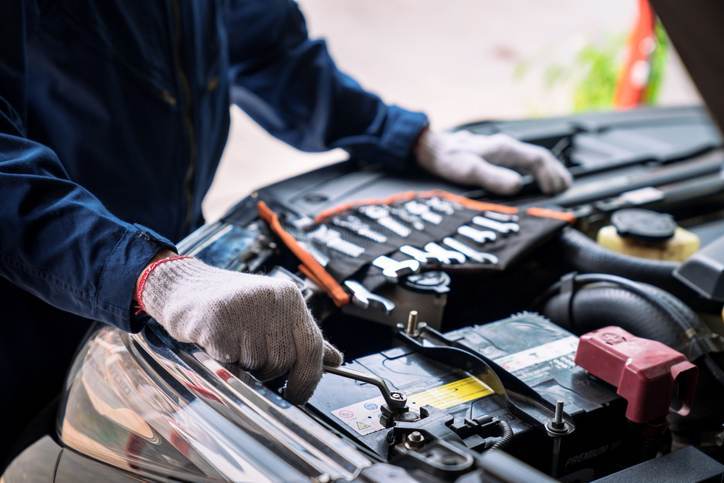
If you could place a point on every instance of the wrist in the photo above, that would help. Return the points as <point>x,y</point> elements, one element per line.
<point>164,253</point>
<point>421,142</point>
<point>162,256</point>
<point>429,150</point>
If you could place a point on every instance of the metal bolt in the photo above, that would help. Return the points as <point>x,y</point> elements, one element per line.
<point>396,395</point>
<point>411,327</point>
<point>558,415</point>
<point>415,438</point>
<point>557,426</point>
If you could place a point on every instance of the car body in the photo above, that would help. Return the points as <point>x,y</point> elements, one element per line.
<point>145,407</point>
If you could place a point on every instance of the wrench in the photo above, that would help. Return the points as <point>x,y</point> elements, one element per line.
<point>473,254</point>
<point>365,299</point>
<point>416,253</point>
<point>393,269</point>
<point>480,236</point>
<point>438,204</point>
<point>408,217</point>
<point>395,400</point>
<point>421,255</point>
<point>321,258</point>
<point>423,211</point>
<point>494,215</point>
<point>381,215</point>
<point>333,240</point>
<point>500,227</point>
<point>358,227</point>
<point>450,257</point>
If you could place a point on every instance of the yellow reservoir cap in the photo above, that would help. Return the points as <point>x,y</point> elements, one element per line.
<point>677,249</point>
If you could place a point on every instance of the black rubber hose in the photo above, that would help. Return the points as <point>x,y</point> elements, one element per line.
<point>643,310</point>
<point>597,306</point>
<point>585,255</point>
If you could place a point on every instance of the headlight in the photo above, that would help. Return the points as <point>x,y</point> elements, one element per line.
<point>144,404</point>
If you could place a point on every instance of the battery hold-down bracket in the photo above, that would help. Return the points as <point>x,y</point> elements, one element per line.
<point>652,377</point>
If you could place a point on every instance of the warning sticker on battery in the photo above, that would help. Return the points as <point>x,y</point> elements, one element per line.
<point>364,416</point>
<point>536,355</point>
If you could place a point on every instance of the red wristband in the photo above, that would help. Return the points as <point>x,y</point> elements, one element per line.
<point>144,276</point>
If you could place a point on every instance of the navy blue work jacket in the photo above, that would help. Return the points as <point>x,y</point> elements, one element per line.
<point>113,117</point>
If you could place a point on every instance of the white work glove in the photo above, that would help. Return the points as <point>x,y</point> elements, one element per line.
<point>260,322</point>
<point>491,162</point>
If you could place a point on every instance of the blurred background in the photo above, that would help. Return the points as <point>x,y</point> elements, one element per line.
<point>460,60</point>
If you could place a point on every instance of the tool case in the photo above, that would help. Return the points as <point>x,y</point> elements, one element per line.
<point>362,245</point>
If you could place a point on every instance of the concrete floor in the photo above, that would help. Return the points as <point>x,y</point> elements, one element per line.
<point>456,60</point>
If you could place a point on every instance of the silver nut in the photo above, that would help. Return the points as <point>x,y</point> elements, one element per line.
<point>415,438</point>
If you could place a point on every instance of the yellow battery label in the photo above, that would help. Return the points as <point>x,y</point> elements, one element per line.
<point>452,393</point>
<point>364,416</point>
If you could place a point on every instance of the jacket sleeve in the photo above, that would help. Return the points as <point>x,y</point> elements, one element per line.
<point>289,84</point>
<point>57,240</point>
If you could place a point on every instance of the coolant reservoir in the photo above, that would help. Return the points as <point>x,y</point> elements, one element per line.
<point>647,234</point>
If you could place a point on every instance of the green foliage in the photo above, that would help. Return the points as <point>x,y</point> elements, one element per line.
<point>598,67</point>
<point>592,74</point>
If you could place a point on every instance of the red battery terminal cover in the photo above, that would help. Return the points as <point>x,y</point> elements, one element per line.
<point>652,377</point>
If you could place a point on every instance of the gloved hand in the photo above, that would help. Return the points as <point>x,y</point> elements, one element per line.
<point>491,162</point>
<point>260,322</point>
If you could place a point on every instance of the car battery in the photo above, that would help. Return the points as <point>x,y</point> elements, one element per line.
<point>528,346</point>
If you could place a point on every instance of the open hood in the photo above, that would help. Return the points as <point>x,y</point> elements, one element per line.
<point>695,28</point>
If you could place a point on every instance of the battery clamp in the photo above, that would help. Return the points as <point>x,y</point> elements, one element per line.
<point>651,376</point>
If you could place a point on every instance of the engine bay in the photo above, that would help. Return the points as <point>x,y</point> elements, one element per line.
<point>573,338</point>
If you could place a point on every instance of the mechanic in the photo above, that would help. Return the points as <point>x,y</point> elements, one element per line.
<point>113,117</point>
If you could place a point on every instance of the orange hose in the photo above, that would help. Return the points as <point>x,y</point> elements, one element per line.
<point>411,195</point>
<point>319,275</point>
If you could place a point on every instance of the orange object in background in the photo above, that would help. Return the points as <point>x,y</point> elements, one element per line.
<point>634,77</point>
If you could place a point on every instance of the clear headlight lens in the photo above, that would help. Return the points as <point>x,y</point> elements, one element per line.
<point>141,404</point>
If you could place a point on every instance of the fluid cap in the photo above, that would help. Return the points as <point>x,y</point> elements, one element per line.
<point>426,282</point>
<point>644,225</point>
